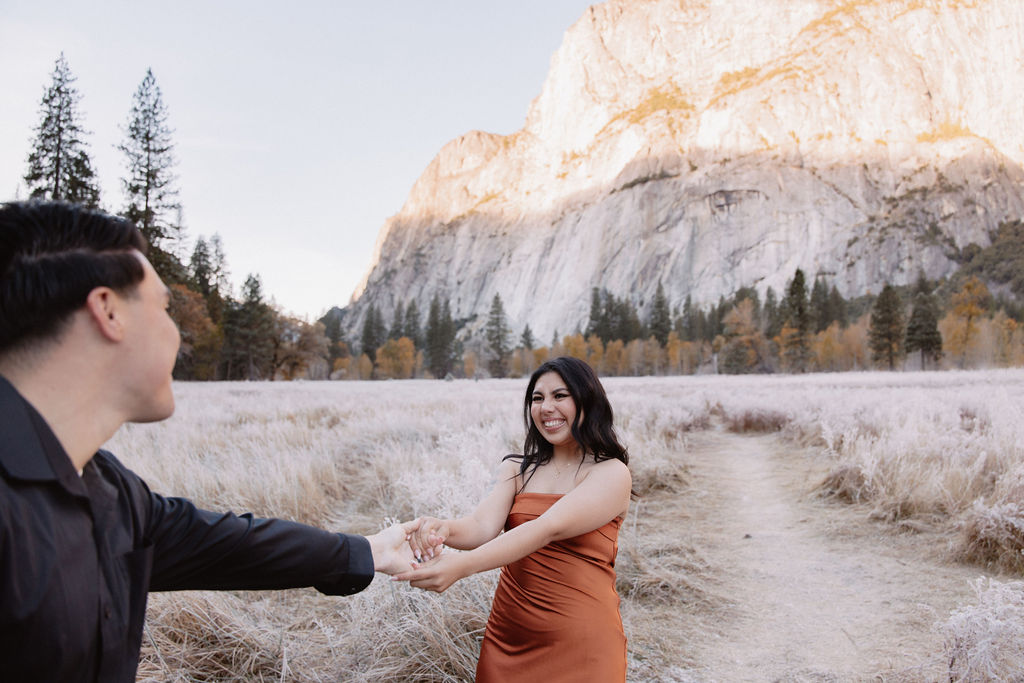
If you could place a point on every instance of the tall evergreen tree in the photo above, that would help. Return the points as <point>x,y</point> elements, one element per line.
<point>885,334</point>
<point>411,324</point>
<point>622,319</point>
<point>772,315</point>
<point>820,313</point>
<point>797,346</point>
<point>684,323</point>
<point>597,323</point>
<point>201,268</point>
<point>370,340</point>
<point>448,336</point>
<point>207,274</point>
<point>923,329</point>
<point>219,262</point>
<point>150,194</point>
<point>440,338</point>
<point>249,334</point>
<point>837,310</point>
<point>397,329</point>
<point>527,341</point>
<point>661,316</point>
<point>497,339</point>
<point>58,165</point>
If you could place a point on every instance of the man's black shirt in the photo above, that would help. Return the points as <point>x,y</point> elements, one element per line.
<point>78,554</point>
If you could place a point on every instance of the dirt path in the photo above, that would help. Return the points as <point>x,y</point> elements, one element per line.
<point>812,591</point>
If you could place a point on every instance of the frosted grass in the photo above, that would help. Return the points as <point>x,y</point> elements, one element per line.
<point>942,449</point>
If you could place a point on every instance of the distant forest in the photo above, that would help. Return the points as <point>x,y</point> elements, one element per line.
<point>810,327</point>
<point>972,319</point>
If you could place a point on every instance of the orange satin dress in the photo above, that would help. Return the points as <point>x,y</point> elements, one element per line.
<point>555,615</point>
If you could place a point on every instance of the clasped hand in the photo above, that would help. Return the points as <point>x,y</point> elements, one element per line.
<point>431,569</point>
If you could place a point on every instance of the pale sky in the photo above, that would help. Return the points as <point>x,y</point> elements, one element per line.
<point>299,127</point>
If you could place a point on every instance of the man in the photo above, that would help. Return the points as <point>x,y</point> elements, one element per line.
<point>86,345</point>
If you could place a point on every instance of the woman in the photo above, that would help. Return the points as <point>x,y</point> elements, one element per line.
<point>555,615</point>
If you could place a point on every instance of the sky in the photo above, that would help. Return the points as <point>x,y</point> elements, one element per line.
<point>299,128</point>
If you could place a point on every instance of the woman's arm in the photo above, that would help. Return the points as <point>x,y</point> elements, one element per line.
<point>466,533</point>
<point>600,498</point>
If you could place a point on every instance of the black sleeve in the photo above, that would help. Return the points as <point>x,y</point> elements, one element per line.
<point>198,549</point>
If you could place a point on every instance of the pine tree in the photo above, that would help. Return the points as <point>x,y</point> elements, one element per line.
<point>923,329</point>
<point>448,337</point>
<point>249,334</point>
<point>396,331</point>
<point>527,341</point>
<point>149,189</point>
<point>661,317</point>
<point>820,313</point>
<point>370,340</point>
<point>772,315</point>
<point>497,339</point>
<point>885,334</point>
<point>440,338</point>
<point>685,322</point>
<point>597,324</point>
<point>837,308</point>
<point>411,324</point>
<point>796,347</point>
<point>219,261</point>
<point>58,165</point>
<point>201,268</point>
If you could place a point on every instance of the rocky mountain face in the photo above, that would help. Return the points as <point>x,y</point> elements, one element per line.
<point>715,144</point>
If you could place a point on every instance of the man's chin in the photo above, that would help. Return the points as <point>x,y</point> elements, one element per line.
<point>154,415</point>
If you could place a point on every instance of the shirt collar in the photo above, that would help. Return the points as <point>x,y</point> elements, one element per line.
<point>29,450</point>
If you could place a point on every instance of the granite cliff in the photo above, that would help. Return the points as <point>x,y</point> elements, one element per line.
<point>714,144</point>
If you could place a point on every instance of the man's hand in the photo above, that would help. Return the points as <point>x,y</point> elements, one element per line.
<point>437,574</point>
<point>428,540</point>
<point>390,548</point>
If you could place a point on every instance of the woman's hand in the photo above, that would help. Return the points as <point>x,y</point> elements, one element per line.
<point>437,574</point>
<point>427,540</point>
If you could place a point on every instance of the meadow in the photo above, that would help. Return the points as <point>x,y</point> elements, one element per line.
<point>942,452</point>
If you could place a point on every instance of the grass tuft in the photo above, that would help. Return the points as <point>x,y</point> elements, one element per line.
<point>983,641</point>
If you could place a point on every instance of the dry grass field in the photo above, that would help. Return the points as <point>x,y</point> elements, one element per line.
<point>923,453</point>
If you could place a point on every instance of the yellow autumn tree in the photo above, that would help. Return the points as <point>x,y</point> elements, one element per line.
<point>654,357</point>
<point>364,368</point>
<point>575,346</point>
<point>469,362</point>
<point>614,358</point>
<point>674,354</point>
<point>396,359</point>
<point>853,343</point>
<point>961,326</point>
<point>742,348</point>
<point>1006,340</point>
<point>827,350</point>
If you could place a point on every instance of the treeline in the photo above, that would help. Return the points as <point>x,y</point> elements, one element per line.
<point>223,336</point>
<point>955,323</point>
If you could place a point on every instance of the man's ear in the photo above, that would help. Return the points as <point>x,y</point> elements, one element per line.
<point>103,305</point>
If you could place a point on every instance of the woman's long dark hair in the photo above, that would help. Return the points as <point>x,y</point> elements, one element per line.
<point>594,432</point>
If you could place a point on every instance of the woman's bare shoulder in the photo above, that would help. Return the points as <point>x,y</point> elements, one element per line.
<point>612,469</point>
<point>509,468</point>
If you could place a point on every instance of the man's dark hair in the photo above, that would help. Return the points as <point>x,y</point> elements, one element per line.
<point>52,254</point>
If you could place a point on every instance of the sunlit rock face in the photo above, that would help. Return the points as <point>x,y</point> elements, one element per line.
<point>719,144</point>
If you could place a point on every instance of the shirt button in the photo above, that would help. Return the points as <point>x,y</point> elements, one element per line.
<point>106,612</point>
